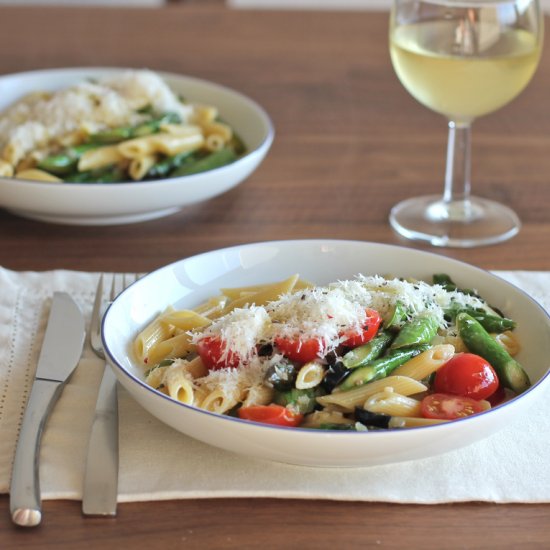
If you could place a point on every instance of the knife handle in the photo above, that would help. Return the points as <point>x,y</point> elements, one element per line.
<point>25,502</point>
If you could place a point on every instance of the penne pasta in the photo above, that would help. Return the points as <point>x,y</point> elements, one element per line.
<point>454,341</point>
<point>196,368</point>
<point>13,153</point>
<point>181,129</point>
<point>172,144</point>
<point>350,399</point>
<point>302,284</point>
<point>310,376</point>
<point>37,175</point>
<point>426,363</point>
<point>179,384</point>
<point>238,292</point>
<point>184,319</point>
<point>508,341</point>
<point>136,148</point>
<point>140,166</point>
<point>26,163</point>
<point>100,158</point>
<point>259,394</point>
<point>393,404</point>
<point>150,336</point>
<point>6,169</point>
<point>220,129</point>
<point>261,297</point>
<point>177,346</point>
<point>70,139</point>
<point>414,422</point>
<point>291,353</point>
<point>155,376</point>
<point>211,306</point>
<point>219,401</point>
<point>204,114</point>
<point>214,142</point>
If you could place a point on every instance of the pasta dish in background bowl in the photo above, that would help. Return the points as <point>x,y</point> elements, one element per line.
<point>106,146</point>
<point>328,367</point>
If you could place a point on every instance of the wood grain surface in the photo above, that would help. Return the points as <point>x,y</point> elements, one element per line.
<point>350,142</point>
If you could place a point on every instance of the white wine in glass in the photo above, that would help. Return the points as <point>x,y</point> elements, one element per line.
<point>462,59</point>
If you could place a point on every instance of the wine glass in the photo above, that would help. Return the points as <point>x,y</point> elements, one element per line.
<point>463,59</point>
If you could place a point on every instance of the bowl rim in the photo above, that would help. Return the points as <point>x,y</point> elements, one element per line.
<point>262,146</point>
<point>312,432</point>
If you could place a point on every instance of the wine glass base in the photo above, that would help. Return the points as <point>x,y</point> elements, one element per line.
<point>459,224</point>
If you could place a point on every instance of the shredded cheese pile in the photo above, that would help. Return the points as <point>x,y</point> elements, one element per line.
<point>320,312</point>
<point>35,120</point>
<point>325,312</point>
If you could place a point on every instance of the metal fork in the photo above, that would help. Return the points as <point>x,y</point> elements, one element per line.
<point>100,489</point>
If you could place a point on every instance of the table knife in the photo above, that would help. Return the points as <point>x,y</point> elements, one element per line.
<point>60,353</point>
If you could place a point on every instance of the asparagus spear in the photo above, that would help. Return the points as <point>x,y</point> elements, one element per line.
<point>122,133</point>
<point>398,315</point>
<point>64,163</point>
<point>166,165</point>
<point>445,281</point>
<point>381,367</point>
<point>360,356</point>
<point>420,330</point>
<point>110,174</point>
<point>479,341</point>
<point>214,160</point>
<point>491,323</point>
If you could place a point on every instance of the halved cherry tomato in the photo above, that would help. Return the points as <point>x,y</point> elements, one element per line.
<point>444,406</point>
<point>366,333</point>
<point>271,414</point>
<point>212,351</point>
<point>467,374</point>
<point>300,350</point>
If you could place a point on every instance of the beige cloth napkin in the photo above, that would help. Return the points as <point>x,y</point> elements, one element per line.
<point>158,463</point>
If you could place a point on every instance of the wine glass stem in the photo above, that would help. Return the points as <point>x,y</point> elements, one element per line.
<point>458,170</point>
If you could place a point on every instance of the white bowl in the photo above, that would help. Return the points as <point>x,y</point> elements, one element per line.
<point>106,204</point>
<point>188,282</point>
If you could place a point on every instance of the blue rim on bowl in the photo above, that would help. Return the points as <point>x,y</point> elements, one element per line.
<point>248,263</point>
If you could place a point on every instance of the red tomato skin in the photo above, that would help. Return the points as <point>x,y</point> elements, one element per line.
<point>276,415</point>
<point>468,375</point>
<point>368,331</point>
<point>300,351</point>
<point>211,350</point>
<point>443,406</point>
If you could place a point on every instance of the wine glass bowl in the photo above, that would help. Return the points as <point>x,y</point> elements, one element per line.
<point>462,59</point>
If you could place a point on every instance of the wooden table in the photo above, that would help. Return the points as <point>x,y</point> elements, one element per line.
<point>350,143</point>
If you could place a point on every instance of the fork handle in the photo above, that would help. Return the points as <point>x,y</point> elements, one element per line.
<point>25,501</point>
<point>100,490</point>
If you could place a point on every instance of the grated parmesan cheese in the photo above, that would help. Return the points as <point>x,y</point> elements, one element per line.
<point>231,380</point>
<point>241,330</point>
<point>40,118</point>
<point>323,312</point>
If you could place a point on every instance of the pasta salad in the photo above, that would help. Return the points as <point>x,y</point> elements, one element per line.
<point>367,353</point>
<point>126,127</point>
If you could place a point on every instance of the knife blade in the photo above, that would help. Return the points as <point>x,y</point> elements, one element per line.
<point>60,353</point>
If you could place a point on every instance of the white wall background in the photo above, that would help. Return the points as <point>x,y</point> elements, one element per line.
<point>129,3</point>
<point>327,4</point>
<point>256,4</point>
